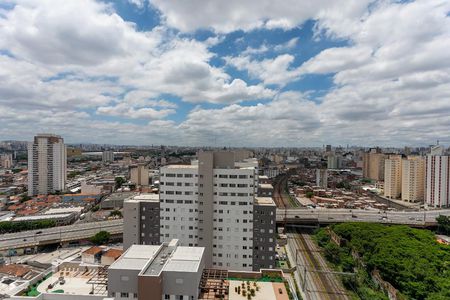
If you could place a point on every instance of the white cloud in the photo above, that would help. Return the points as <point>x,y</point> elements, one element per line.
<point>231,15</point>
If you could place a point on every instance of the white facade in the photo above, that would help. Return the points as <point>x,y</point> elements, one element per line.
<point>437,181</point>
<point>234,192</point>
<point>179,204</point>
<point>47,165</point>
<point>233,198</point>
<point>108,156</point>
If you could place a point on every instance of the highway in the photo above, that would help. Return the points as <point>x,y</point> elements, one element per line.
<point>316,279</point>
<point>67,233</point>
<point>414,218</point>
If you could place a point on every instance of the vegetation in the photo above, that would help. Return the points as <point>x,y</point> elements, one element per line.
<point>410,259</point>
<point>95,208</point>
<point>10,227</point>
<point>73,174</point>
<point>309,195</point>
<point>119,181</point>
<point>115,213</point>
<point>101,238</point>
<point>443,224</point>
<point>343,185</point>
<point>24,198</point>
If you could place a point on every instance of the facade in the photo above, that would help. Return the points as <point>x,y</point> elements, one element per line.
<point>413,179</point>
<point>47,165</point>
<point>334,161</point>
<point>393,177</point>
<point>437,179</point>
<point>155,272</point>
<point>322,178</point>
<point>141,213</point>
<point>373,165</point>
<point>139,174</point>
<point>265,190</point>
<point>210,203</point>
<point>108,156</point>
<point>6,161</point>
<point>264,241</point>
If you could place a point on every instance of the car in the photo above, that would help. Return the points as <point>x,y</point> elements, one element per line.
<point>39,232</point>
<point>24,240</point>
<point>354,216</point>
<point>297,217</point>
<point>411,218</point>
<point>418,219</point>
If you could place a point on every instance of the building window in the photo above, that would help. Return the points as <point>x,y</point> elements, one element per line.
<point>123,295</point>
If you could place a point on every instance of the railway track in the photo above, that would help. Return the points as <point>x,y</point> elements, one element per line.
<point>279,196</point>
<point>319,284</point>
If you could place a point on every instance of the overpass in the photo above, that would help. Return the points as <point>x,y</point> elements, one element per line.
<point>328,216</point>
<point>289,216</point>
<point>61,234</point>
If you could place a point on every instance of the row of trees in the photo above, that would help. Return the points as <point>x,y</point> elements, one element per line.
<point>410,259</point>
<point>11,227</point>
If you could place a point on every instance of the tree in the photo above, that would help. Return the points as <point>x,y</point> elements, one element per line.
<point>309,195</point>
<point>119,181</point>
<point>115,213</point>
<point>101,237</point>
<point>443,224</point>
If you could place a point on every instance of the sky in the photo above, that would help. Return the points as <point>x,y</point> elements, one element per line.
<point>226,73</point>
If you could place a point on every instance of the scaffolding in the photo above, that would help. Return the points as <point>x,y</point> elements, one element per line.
<point>99,281</point>
<point>214,284</point>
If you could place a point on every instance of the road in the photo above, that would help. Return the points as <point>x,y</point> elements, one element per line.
<point>418,218</point>
<point>74,232</point>
<point>316,279</point>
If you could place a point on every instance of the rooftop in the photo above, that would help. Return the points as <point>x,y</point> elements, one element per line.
<point>265,186</point>
<point>93,250</point>
<point>145,197</point>
<point>115,253</point>
<point>135,258</point>
<point>264,201</point>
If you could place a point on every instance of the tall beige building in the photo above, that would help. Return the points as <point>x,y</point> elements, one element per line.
<point>373,164</point>
<point>437,178</point>
<point>393,177</point>
<point>413,179</point>
<point>139,174</point>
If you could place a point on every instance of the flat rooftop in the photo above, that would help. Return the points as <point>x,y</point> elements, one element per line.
<point>267,186</point>
<point>181,166</point>
<point>135,258</point>
<point>264,201</point>
<point>151,260</point>
<point>145,197</point>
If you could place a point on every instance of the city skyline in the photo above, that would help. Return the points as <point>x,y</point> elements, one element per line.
<point>253,74</point>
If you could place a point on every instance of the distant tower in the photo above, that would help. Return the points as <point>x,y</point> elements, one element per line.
<point>47,164</point>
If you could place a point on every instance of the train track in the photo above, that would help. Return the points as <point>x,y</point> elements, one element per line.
<point>279,194</point>
<point>319,284</point>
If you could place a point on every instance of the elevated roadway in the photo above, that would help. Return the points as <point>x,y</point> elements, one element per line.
<point>61,234</point>
<point>328,216</point>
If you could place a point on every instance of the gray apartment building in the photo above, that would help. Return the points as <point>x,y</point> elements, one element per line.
<point>264,227</point>
<point>155,272</point>
<point>142,221</point>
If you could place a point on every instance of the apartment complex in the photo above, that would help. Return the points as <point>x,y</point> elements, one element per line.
<point>373,164</point>
<point>322,178</point>
<point>212,203</point>
<point>108,156</point>
<point>393,177</point>
<point>6,161</point>
<point>413,179</point>
<point>139,174</point>
<point>437,178</point>
<point>47,164</point>
<point>155,272</point>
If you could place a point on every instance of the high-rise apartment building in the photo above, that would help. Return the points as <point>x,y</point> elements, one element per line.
<point>212,203</point>
<point>393,177</point>
<point>108,156</point>
<point>437,178</point>
<point>334,161</point>
<point>322,178</point>
<point>6,161</point>
<point>413,179</point>
<point>139,174</point>
<point>373,164</point>
<point>47,164</point>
